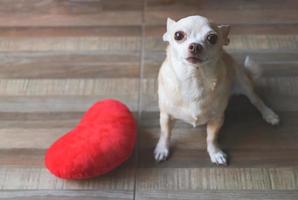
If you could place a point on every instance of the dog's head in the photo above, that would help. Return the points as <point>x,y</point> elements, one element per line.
<point>195,39</point>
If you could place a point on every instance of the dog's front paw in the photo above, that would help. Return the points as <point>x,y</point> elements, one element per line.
<point>161,152</point>
<point>219,158</point>
<point>270,117</point>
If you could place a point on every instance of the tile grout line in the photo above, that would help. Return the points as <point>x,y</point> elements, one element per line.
<point>139,95</point>
<point>141,64</point>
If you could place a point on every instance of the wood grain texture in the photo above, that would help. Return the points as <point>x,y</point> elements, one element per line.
<point>247,139</point>
<point>65,195</point>
<point>219,195</point>
<point>64,95</point>
<point>102,38</point>
<point>192,179</point>
<point>57,57</point>
<point>247,12</point>
<point>216,4</point>
<point>32,178</point>
<point>68,87</point>
<point>60,104</point>
<point>69,65</point>
<point>106,31</point>
<point>8,44</point>
<point>70,13</point>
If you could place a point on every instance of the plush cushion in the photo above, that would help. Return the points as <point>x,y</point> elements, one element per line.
<point>103,140</point>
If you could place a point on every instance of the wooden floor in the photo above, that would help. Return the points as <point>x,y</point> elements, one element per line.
<point>57,57</point>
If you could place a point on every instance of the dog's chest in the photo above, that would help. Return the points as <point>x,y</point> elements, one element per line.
<point>202,99</point>
<point>191,95</point>
<point>197,99</point>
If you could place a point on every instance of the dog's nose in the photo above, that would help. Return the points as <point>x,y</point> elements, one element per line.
<point>195,48</point>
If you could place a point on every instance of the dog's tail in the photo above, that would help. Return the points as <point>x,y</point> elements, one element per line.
<point>252,68</point>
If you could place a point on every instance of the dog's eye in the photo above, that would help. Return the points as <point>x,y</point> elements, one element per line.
<point>212,38</point>
<point>179,35</point>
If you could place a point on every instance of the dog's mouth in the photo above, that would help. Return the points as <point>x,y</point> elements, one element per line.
<point>194,60</point>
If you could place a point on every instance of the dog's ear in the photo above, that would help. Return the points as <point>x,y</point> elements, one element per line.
<point>170,23</point>
<point>225,30</point>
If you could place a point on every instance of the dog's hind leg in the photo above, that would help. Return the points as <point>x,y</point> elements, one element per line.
<point>245,86</point>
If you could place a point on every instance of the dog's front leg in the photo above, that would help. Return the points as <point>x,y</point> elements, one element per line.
<point>162,148</point>
<point>216,154</point>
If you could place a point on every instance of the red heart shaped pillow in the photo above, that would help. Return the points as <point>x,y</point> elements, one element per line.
<point>104,139</point>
